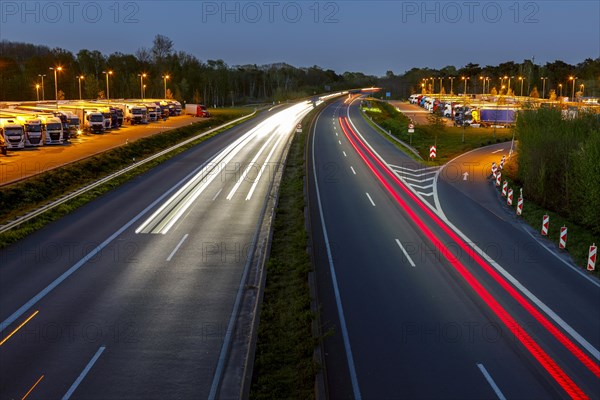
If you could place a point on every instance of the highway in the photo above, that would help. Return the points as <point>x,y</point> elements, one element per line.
<point>137,293</point>
<point>415,310</point>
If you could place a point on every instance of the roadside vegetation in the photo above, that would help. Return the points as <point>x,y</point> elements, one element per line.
<point>451,141</point>
<point>559,170</point>
<point>19,198</point>
<point>284,367</point>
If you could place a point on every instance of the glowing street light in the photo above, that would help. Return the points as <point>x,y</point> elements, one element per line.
<point>451,84</point>
<point>573,78</point>
<point>165,77</point>
<point>107,73</point>
<point>560,88</point>
<point>37,91</point>
<point>465,79</point>
<point>43,94</point>
<point>79,78</point>
<point>522,80</point>
<point>142,76</point>
<point>56,83</point>
<point>544,79</point>
<point>582,87</point>
<point>144,92</point>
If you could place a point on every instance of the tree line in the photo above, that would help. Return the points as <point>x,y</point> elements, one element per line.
<point>215,83</point>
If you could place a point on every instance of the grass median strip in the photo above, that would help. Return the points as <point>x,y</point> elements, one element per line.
<point>284,367</point>
<point>19,198</point>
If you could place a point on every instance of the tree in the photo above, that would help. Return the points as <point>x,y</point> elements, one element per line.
<point>494,92</point>
<point>552,95</point>
<point>534,93</point>
<point>169,94</point>
<point>436,120</point>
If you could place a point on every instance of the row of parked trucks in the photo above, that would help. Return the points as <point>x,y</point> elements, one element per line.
<point>32,125</point>
<point>473,114</point>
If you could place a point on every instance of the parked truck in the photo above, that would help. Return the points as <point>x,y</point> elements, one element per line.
<point>136,114</point>
<point>12,133</point>
<point>197,110</point>
<point>497,116</point>
<point>52,129</point>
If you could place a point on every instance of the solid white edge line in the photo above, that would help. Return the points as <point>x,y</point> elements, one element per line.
<point>405,253</point>
<point>542,306</point>
<point>353,171</point>
<point>177,247</point>
<point>370,199</point>
<point>85,371</point>
<point>217,195</point>
<point>336,290</point>
<point>491,381</point>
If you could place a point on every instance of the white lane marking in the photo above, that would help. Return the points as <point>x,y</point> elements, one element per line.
<point>217,195</point>
<point>336,134</point>
<point>405,253</point>
<point>336,289</point>
<point>421,187</point>
<point>339,141</point>
<point>410,169</point>
<point>549,312</point>
<point>370,199</point>
<point>262,169</point>
<point>490,380</point>
<point>425,194</point>
<point>85,371</point>
<point>353,171</point>
<point>177,247</point>
<point>345,155</point>
<point>497,151</point>
<point>250,165</point>
<point>419,180</point>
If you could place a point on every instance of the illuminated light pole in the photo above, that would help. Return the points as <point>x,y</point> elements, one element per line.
<point>482,79</point>
<point>522,80</point>
<point>56,83</point>
<point>79,78</point>
<point>142,76</point>
<point>560,88</point>
<point>465,79</point>
<point>165,77</point>
<point>432,85</point>
<point>441,84</point>
<point>582,87</point>
<point>544,79</point>
<point>37,91</point>
<point>574,79</point>
<point>107,73</point>
<point>43,93</point>
<point>144,92</point>
<point>451,84</point>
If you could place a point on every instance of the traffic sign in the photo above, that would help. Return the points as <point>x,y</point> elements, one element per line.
<point>411,128</point>
<point>299,128</point>
<point>432,152</point>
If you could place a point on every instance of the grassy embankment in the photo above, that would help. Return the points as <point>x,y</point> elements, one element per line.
<point>18,198</point>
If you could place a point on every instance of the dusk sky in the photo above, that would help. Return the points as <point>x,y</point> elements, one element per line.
<point>367,36</point>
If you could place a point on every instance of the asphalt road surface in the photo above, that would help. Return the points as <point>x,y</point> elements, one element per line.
<point>134,295</point>
<point>415,310</point>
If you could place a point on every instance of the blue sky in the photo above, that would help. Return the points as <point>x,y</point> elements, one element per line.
<point>367,36</point>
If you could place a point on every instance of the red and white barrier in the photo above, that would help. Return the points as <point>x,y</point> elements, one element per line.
<point>520,206</point>
<point>494,169</point>
<point>498,177</point>
<point>504,188</point>
<point>509,197</point>
<point>545,225</point>
<point>432,152</point>
<point>592,257</point>
<point>502,161</point>
<point>562,243</point>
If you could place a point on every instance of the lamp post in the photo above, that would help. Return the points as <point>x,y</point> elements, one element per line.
<point>544,79</point>
<point>465,79</point>
<point>37,91</point>
<point>165,77</point>
<point>574,79</point>
<point>107,73</point>
<point>560,88</point>
<point>441,84</point>
<point>582,87</point>
<point>432,85</point>
<point>43,94</point>
<point>56,83</point>
<point>79,78</point>
<point>482,79</point>
<point>521,79</point>
<point>144,92</point>
<point>451,84</point>
<point>142,76</point>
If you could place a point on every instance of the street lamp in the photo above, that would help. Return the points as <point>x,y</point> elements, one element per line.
<point>465,79</point>
<point>142,76</point>
<point>544,79</point>
<point>441,84</point>
<point>560,88</point>
<point>79,78</point>
<point>144,92</point>
<point>107,73</point>
<point>37,91</point>
<point>521,79</point>
<point>482,79</point>
<point>56,83</point>
<point>582,87</point>
<point>165,77</point>
<point>451,84</point>
<point>43,94</point>
<point>432,85</point>
<point>573,78</point>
